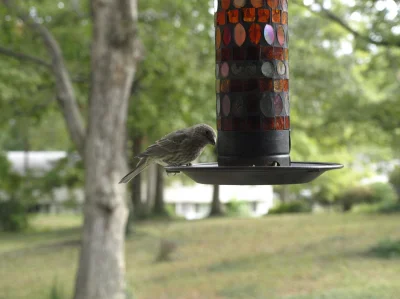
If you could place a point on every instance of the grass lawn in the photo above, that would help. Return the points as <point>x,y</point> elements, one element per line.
<point>291,257</point>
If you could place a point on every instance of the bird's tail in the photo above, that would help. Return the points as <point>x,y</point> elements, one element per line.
<point>143,163</point>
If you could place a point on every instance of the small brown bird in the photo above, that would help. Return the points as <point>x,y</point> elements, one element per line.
<point>177,148</point>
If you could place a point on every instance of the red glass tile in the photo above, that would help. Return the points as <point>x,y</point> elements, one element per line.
<point>253,53</point>
<point>280,123</point>
<point>263,15</point>
<point>276,16</point>
<point>255,33</point>
<point>239,124</point>
<point>266,85</point>
<point>257,3</point>
<point>237,108</point>
<point>250,85</point>
<point>236,86</point>
<point>268,123</point>
<point>249,14</point>
<point>218,55</point>
<point>278,85</point>
<point>267,53</point>
<point>253,123</point>
<point>225,85</point>
<point>226,36</point>
<point>278,53</point>
<point>285,84</point>
<point>252,104</point>
<point>284,17</point>
<point>219,123</point>
<point>226,54</point>
<point>273,3</point>
<point>233,16</point>
<point>287,123</point>
<point>225,4</point>
<point>240,34</point>
<point>226,105</point>
<point>227,124</point>
<point>221,18</point>
<point>239,53</point>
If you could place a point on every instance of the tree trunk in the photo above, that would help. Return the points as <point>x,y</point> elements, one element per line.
<point>101,272</point>
<point>136,186</point>
<point>216,207</point>
<point>159,205</point>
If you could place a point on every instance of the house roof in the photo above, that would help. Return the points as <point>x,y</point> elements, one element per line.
<point>36,161</point>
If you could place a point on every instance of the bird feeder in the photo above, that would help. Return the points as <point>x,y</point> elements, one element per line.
<point>252,99</point>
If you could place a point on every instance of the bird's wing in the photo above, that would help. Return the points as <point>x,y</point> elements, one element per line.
<point>166,145</point>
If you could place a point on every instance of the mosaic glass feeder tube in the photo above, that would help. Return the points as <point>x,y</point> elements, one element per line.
<point>252,82</point>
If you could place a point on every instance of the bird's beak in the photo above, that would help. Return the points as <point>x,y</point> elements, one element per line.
<point>212,141</point>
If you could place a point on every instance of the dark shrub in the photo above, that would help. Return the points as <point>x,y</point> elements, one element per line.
<point>298,206</point>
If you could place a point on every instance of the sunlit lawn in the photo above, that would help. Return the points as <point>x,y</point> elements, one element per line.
<point>291,257</point>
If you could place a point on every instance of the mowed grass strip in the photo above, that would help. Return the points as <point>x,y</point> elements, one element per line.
<point>291,257</point>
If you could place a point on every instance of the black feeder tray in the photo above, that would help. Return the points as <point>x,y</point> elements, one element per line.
<point>296,173</point>
<point>252,100</point>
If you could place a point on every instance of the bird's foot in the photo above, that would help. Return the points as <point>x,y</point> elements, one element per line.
<point>188,164</point>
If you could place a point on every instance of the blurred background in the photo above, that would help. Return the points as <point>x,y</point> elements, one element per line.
<point>337,237</point>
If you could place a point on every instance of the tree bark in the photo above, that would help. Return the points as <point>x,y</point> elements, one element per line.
<point>216,206</point>
<point>101,273</point>
<point>159,205</point>
<point>136,186</point>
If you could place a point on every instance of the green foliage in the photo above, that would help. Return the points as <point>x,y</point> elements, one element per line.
<point>386,249</point>
<point>394,179</point>
<point>298,206</point>
<point>373,193</point>
<point>13,216</point>
<point>237,208</point>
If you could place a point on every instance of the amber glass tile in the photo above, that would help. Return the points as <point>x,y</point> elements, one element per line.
<point>239,34</point>
<point>253,53</point>
<point>233,16</point>
<point>273,3</point>
<point>263,15</point>
<point>236,86</point>
<point>276,16</point>
<point>278,53</point>
<point>278,85</point>
<point>217,86</point>
<point>286,54</point>
<point>217,38</point>
<point>221,18</point>
<point>226,36</point>
<point>287,123</point>
<point>219,123</point>
<point>257,3</point>
<point>226,54</point>
<point>225,85</point>
<point>268,123</point>
<point>225,4</point>
<point>250,85</point>
<point>255,33</point>
<point>218,55</point>
<point>249,14</point>
<point>253,123</point>
<point>280,123</point>
<point>284,17</point>
<point>239,3</point>
<point>266,85</point>
<point>285,83</point>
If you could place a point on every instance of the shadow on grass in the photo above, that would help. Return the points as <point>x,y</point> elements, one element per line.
<point>386,249</point>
